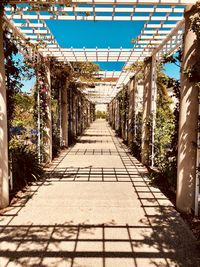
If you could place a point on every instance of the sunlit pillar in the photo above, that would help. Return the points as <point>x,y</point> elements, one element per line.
<point>79,114</point>
<point>88,113</point>
<point>74,114</point>
<point>91,112</point>
<point>131,112</point>
<point>146,116</point>
<point>113,113</point>
<point>188,121</point>
<point>149,111</point>
<point>117,116</point>
<point>85,113</point>
<point>64,116</point>
<point>48,121</point>
<point>4,182</point>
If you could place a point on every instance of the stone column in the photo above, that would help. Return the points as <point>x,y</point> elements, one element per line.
<point>4,181</point>
<point>64,115</point>
<point>117,117</point>
<point>146,116</point>
<point>76,117</point>
<point>153,106</point>
<point>70,117</point>
<point>188,121</point>
<point>82,122</point>
<point>88,113</point>
<point>74,114</point>
<point>48,122</point>
<point>85,114</point>
<point>79,114</point>
<point>113,114</point>
<point>131,112</point>
<point>91,113</point>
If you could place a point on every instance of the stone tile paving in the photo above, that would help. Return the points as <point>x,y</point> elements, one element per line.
<point>95,208</point>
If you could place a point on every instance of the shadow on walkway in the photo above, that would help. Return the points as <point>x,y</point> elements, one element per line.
<point>90,216</point>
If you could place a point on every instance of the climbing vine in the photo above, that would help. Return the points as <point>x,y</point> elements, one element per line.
<point>16,70</point>
<point>167,124</point>
<point>122,98</point>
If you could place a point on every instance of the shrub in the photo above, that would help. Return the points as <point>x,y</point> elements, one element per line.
<point>25,166</point>
<point>55,145</point>
<point>101,114</point>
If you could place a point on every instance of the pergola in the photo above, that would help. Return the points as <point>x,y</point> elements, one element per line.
<point>161,20</point>
<point>162,33</point>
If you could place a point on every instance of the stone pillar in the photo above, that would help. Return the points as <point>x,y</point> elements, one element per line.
<point>70,117</point>
<point>117,116</point>
<point>153,106</point>
<point>91,113</point>
<point>131,112</point>
<point>88,113</point>
<point>64,116</point>
<point>4,181</point>
<point>79,113</point>
<point>146,116</point>
<point>113,113</point>
<point>188,122</point>
<point>74,114</point>
<point>48,122</point>
<point>85,113</point>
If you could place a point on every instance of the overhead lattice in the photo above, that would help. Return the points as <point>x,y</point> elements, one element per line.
<point>161,33</point>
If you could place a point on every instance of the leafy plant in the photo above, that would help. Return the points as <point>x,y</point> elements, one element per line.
<point>25,166</point>
<point>23,110</point>
<point>101,114</point>
<point>167,124</point>
<point>135,146</point>
<point>122,98</point>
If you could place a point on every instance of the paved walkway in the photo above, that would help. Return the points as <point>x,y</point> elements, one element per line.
<point>95,209</point>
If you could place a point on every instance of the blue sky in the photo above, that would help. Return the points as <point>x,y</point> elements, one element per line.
<point>172,70</point>
<point>101,34</point>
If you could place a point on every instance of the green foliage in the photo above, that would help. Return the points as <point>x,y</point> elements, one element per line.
<point>173,58</point>
<point>167,124</point>
<point>122,97</point>
<point>55,143</point>
<point>25,166</point>
<point>56,147</point>
<point>15,70</point>
<point>137,67</point>
<point>23,110</point>
<point>164,124</point>
<point>85,71</point>
<point>12,70</point>
<point>101,114</point>
<point>135,146</point>
<point>170,170</point>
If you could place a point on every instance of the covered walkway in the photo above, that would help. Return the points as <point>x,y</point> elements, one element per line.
<point>95,208</point>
